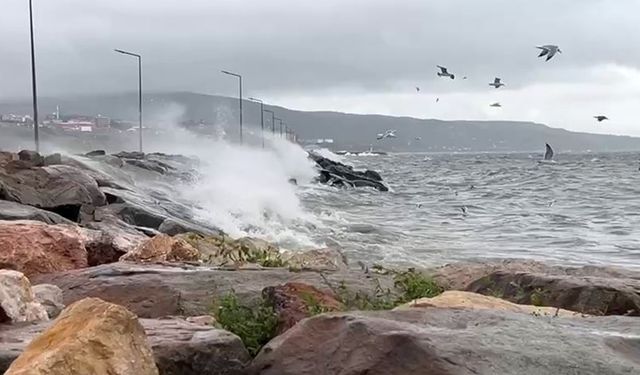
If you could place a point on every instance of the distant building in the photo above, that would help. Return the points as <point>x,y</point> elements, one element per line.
<point>102,121</point>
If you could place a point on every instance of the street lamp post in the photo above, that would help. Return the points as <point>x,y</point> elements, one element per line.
<point>33,82</point>
<point>281,125</point>
<point>273,129</point>
<point>273,119</point>
<point>139,93</point>
<point>261,118</point>
<point>240,94</point>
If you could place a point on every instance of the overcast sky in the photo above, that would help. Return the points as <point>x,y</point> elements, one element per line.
<point>362,56</point>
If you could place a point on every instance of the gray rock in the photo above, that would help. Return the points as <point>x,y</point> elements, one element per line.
<point>53,159</point>
<point>152,291</point>
<point>452,341</point>
<point>95,153</point>
<point>16,211</point>
<point>183,348</point>
<point>34,158</point>
<point>59,188</point>
<point>172,227</point>
<point>49,296</point>
<point>179,347</point>
<point>17,303</point>
<point>594,295</point>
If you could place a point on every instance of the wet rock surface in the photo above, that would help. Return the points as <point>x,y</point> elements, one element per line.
<point>337,174</point>
<point>16,211</point>
<point>452,341</point>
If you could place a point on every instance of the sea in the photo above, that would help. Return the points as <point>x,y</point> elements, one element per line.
<point>584,209</point>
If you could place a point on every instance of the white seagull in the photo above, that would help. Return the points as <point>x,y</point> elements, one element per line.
<point>548,50</point>
<point>496,83</point>
<point>444,73</point>
<point>387,134</point>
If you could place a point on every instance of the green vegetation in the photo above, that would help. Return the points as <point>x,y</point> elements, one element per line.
<point>314,307</point>
<point>410,284</point>
<point>537,297</point>
<point>254,326</point>
<point>415,285</point>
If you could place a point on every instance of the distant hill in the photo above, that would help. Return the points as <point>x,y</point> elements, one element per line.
<point>350,131</point>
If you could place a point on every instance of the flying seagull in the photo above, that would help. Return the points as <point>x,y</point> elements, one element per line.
<point>437,100</point>
<point>496,83</point>
<point>496,104</point>
<point>444,73</point>
<point>465,77</point>
<point>600,118</point>
<point>548,50</point>
<point>548,154</point>
<point>387,134</point>
<point>417,89</point>
<point>464,210</point>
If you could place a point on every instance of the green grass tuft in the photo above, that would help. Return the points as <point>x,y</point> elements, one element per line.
<point>254,326</point>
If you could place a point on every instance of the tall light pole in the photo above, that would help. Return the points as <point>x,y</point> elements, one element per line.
<point>139,92</point>
<point>273,119</point>
<point>281,124</point>
<point>261,118</point>
<point>273,129</point>
<point>33,82</point>
<point>240,98</point>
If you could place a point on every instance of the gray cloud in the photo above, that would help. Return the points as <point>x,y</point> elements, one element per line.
<point>315,49</point>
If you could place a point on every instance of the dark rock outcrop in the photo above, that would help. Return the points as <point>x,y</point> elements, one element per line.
<point>340,175</point>
<point>62,189</point>
<point>452,342</point>
<point>34,158</point>
<point>16,211</point>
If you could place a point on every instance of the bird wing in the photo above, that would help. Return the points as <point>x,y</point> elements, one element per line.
<point>550,56</point>
<point>544,52</point>
<point>443,69</point>
<point>548,154</point>
<point>496,81</point>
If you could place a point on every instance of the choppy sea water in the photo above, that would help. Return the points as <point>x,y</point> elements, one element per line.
<point>585,209</point>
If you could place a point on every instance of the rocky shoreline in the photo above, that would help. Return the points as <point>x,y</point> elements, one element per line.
<point>100,274</point>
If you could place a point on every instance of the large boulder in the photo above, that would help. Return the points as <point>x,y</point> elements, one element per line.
<point>595,295</point>
<point>63,189</point>
<point>124,237</point>
<point>341,175</point>
<point>17,301</point>
<point>163,248</point>
<point>50,297</point>
<point>452,341</point>
<point>179,347</point>
<point>183,348</point>
<point>16,211</point>
<point>89,337</point>
<point>34,158</point>
<point>155,290</point>
<point>33,247</point>
<point>293,302</point>
<point>465,300</point>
